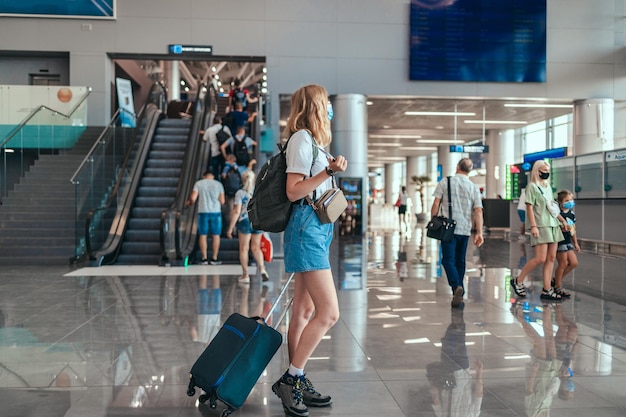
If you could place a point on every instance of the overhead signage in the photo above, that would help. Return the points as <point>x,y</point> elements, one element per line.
<point>191,49</point>
<point>469,148</point>
<point>547,154</point>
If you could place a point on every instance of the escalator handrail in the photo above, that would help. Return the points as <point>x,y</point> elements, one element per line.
<point>113,121</point>
<point>195,160</point>
<point>40,108</point>
<point>109,251</point>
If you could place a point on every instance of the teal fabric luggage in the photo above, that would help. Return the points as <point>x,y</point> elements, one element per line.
<point>233,361</point>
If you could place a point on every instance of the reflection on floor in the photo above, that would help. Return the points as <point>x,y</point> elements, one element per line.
<point>120,341</point>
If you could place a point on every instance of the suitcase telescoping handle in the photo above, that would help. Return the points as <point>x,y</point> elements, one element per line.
<point>275,305</point>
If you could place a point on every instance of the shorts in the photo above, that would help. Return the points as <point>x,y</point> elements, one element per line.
<point>244,227</point>
<point>306,241</point>
<point>549,234</point>
<point>565,247</point>
<point>402,209</point>
<point>522,215</point>
<point>209,224</point>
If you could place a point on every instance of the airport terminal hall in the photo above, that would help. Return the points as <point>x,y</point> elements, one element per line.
<point>399,208</point>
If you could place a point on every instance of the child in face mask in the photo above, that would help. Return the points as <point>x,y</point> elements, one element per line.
<point>566,251</point>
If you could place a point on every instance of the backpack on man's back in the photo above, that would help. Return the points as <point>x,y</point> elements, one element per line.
<point>241,151</point>
<point>240,96</point>
<point>232,182</point>
<point>222,135</point>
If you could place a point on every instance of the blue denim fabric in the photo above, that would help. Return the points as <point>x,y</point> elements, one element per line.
<point>209,224</point>
<point>453,254</point>
<point>307,241</point>
<point>244,227</point>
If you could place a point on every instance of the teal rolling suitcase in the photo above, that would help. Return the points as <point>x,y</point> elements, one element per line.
<point>232,363</point>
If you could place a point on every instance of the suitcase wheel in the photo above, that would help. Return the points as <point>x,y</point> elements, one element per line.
<point>203,398</point>
<point>226,412</point>
<point>191,391</point>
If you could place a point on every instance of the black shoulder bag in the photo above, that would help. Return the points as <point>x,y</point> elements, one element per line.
<point>441,227</point>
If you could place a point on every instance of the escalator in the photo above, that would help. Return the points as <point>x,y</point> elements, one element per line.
<point>156,192</point>
<point>163,164</point>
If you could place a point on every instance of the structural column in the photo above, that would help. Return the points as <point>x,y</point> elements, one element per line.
<point>174,80</point>
<point>501,153</point>
<point>393,173</point>
<point>412,170</point>
<point>349,128</point>
<point>448,160</point>
<point>594,125</point>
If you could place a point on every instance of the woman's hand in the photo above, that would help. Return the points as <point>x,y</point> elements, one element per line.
<point>339,164</point>
<point>534,231</point>
<point>229,234</point>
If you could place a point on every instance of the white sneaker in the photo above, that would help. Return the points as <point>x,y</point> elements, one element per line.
<point>244,279</point>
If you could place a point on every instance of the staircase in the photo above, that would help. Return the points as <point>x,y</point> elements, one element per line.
<point>157,191</point>
<point>37,217</point>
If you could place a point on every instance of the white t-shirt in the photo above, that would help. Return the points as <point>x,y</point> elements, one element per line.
<point>300,159</point>
<point>211,135</point>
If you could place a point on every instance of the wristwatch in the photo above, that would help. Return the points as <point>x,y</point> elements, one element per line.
<point>330,171</point>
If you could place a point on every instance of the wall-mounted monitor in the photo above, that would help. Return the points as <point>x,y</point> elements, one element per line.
<point>478,40</point>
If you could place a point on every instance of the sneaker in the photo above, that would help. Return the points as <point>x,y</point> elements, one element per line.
<point>457,298</point>
<point>244,279</point>
<point>289,389</point>
<point>312,398</point>
<point>215,262</point>
<point>204,262</point>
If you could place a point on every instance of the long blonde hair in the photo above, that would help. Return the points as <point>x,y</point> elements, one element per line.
<point>247,178</point>
<point>534,174</point>
<point>309,111</point>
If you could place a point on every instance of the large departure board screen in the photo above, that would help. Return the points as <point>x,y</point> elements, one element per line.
<point>83,9</point>
<point>478,40</point>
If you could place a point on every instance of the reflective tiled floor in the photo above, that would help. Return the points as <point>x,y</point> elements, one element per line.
<point>119,341</point>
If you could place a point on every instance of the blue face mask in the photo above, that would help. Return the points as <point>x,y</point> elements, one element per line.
<point>329,110</point>
<point>569,205</point>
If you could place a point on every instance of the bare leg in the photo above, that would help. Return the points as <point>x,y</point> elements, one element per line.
<point>320,288</point>
<point>202,242</point>
<point>301,313</point>
<point>257,254</point>
<point>244,247</point>
<point>541,252</point>
<point>215,246</point>
<point>548,265</point>
<point>561,266</point>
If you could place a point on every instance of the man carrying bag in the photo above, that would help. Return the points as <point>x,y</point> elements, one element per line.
<point>462,197</point>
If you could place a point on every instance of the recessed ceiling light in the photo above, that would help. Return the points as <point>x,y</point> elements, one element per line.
<point>385,144</point>
<point>496,122</point>
<point>386,127</point>
<point>378,150</point>
<point>439,127</point>
<point>369,103</point>
<point>392,158</point>
<point>389,135</point>
<point>418,148</point>
<point>539,105</point>
<point>438,113</point>
<point>439,141</point>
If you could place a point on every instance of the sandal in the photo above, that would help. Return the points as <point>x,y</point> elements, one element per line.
<point>550,295</point>
<point>562,292</point>
<point>519,289</point>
